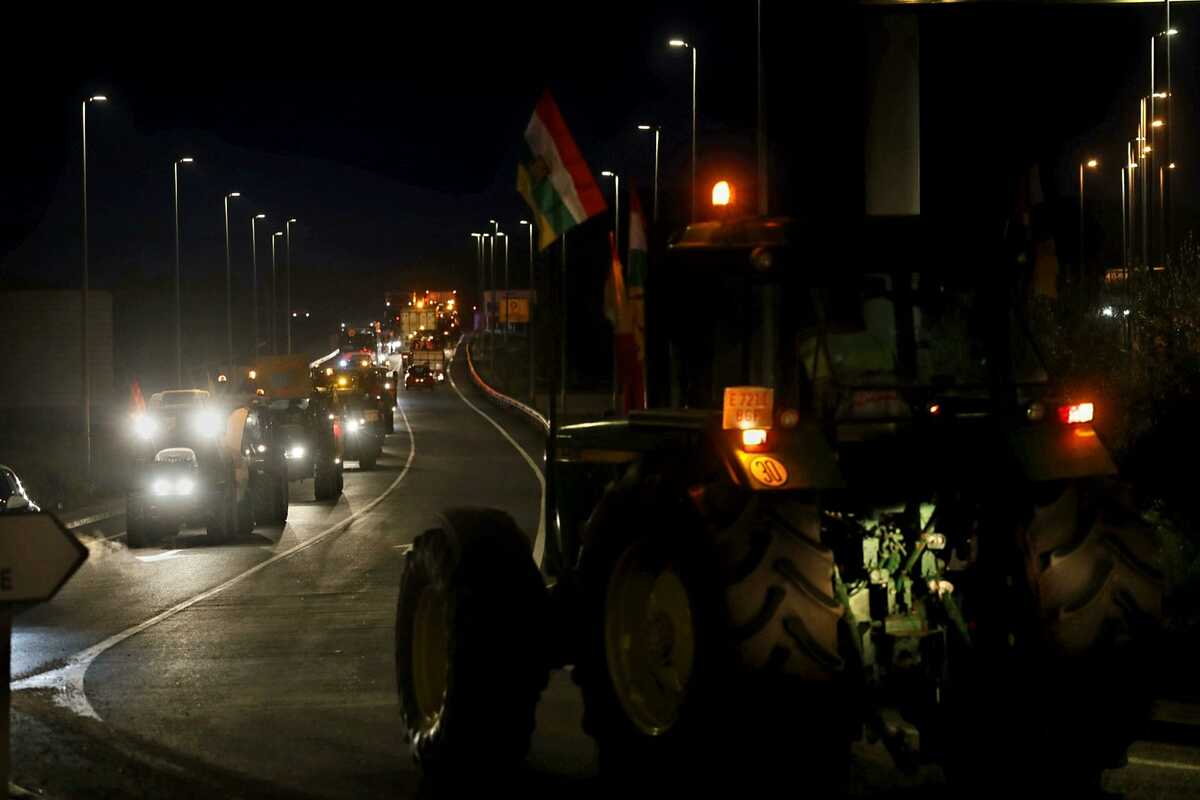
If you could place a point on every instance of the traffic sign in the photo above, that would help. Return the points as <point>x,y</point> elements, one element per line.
<point>517,310</point>
<point>37,556</point>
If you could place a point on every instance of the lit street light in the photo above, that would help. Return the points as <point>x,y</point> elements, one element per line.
<point>178,315</point>
<point>478,237</point>
<point>683,44</point>
<point>1091,163</point>
<point>274,337</point>
<point>657,134</point>
<point>254,275</point>
<point>229,287</point>
<point>85,375</point>
<point>288,281</point>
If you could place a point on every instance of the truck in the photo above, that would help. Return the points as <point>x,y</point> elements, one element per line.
<point>858,506</point>
<point>415,322</point>
<point>194,467</point>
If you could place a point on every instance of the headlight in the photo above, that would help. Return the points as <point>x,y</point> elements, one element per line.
<point>296,452</point>
<point>206,423</point>
<point>161,486</point>
<point>352,425</point>
<point>342,363</point>
<point>184,486</point>
<point>144,426</point>
<point>262,448</point>
<point>387,386</point>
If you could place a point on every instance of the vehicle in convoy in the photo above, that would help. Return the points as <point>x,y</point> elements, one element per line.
<point>13,497</point>
<point>857,491</point>
<point>419,375</point>
<point>193,467</point>
<point>429,356</point>
<point>363,429</point>
<point>301,437</point>
<point>378,383</point>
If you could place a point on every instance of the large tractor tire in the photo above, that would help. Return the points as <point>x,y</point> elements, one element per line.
<point>470,654</point>
<point>262,490</point>
<point>244,516</point>
<point>650,651</point>
<point>326,480</point>
<point>280,510</point>
<point>1068,698</point>
<point>139,532</point>
<point>223,518</point>
<point>390,419</point>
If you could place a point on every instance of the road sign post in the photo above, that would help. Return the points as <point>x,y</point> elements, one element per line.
<point>37,556</point>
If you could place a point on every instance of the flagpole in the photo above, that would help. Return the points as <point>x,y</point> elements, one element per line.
<point>562,337</point>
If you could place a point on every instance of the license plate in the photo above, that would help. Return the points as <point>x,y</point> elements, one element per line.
<point>748,407</point>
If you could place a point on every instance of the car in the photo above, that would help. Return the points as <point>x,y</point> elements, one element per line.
<point>13,497</point>
<point>419,375</point>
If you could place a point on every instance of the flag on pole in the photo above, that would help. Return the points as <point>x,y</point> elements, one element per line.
<point>553,177</point>
<point>137,403</point>
<point>616,307</point>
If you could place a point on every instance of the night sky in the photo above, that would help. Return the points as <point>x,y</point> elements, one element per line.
<point>391,136</point>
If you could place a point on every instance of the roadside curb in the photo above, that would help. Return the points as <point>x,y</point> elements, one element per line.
<point>531,413</point>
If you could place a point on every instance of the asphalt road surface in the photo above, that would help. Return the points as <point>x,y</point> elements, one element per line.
<point>264,668</point>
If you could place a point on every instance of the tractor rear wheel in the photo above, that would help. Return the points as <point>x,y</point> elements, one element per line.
<point>470,655</point>
<point>1063,698</point>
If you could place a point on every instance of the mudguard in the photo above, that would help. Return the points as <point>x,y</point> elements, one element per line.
<point>799,458</point>
<point>1052,452</point>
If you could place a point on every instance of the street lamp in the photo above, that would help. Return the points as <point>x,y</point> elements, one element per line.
<point>680,43</point>
<point>616,206</point>
<point>229,287</point>
<point>85,376</point>
<point>529,322</point>
<point>274,341</point>
<point>254,275</point>
<point>178,315</point>
<point>478,237</point>
<point>1091,163</point>
<point>657,134</point>
<point>288,281</point>
<point>506,320</point>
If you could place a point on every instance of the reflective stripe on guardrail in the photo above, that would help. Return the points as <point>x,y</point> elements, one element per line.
<point>502,398</point>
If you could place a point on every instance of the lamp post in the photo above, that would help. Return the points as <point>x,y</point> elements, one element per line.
<point>504,330</point>
<point>1091,163</point>
<point>274,339</point>
<point>687,45</point>
<point>492,268</point>
<point>529,321</point>
<point>478,237</point>
<point>288,282</point>
<point>85,378</point>
<point>657,134</point>
<point>228,289</point>
<point>178,314</point>
<point>254,275</point>
<point>616,206</point>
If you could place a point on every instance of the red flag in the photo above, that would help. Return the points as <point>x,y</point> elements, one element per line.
<point>137,403</point>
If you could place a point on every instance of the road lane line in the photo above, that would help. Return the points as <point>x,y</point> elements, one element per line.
<point>66,682</point>
<point>539,542</point>
<point>1153,762</point>
<point>160,557</point>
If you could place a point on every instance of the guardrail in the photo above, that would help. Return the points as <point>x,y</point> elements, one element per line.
<point>502,398</point>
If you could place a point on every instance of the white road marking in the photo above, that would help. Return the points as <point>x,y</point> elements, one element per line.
<point>160,557</point>
<point>539,542</point>
<point>1153,762</point>
<point>66,682</point>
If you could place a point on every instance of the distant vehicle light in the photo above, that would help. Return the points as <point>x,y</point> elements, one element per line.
<point>722,194</point>
<point>352,425</point>
<point>1036,412</point>
<point>253,375</point>
<point>1107,311</point>
<point>387,385</point>
<point>935,409</point>
<point>754,438</point>
<point>329,370</point>
<point>296,452</point>
<point>331,416</point>
<point>365,363</point>
<point>789,418</point>
<point>262,448</point>
<point>161,486</point>
<point>342,363</point>
<point>1077,413</point>
<point>342,381</point>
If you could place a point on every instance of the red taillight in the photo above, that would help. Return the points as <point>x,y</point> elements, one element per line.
<point>1077,413</point>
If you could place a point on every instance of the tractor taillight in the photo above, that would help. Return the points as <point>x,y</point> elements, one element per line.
<point>1077,413</point>
<point>754,439</point>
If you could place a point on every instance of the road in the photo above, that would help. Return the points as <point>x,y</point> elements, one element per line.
<point>265,668</point>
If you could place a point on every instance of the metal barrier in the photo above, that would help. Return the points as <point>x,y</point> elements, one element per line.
<point>502,398</point>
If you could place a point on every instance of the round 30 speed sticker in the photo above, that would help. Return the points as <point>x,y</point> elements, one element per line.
<point>768,471</point>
